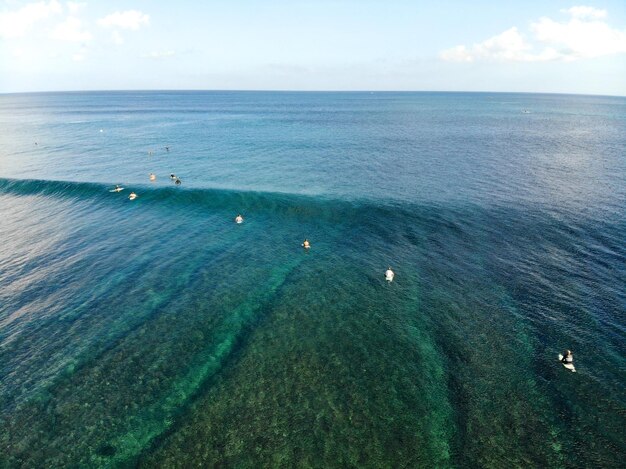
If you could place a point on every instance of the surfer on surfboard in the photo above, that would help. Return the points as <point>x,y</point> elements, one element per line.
<point>306,244</point>
<point>567,358</point>
<point>239,219</point>
<point>117,188</point>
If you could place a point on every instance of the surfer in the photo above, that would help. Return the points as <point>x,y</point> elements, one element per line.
<point>172,176</point>
<point>568,358</point>
<point>152,177</point>
<point>239,219</point>
<point>389,274</point>
<point>178,182</point>
<point>132,196</point>
<point>117,188</point>
<point>167,148</point>
<point>306,244</point>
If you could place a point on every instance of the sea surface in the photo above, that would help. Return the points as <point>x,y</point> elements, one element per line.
<point>159,333</point>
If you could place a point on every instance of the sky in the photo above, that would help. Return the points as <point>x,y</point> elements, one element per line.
<point>450,45</point>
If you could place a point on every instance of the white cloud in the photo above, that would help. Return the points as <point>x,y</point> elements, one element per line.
<point>117,38</point>
<point>584,35</point>
<point>71,30</point>
<point>130,19</point>
<point>159,55</point>
<point>14,24</point>
<point>585,12</point>
<point>579,39</point>
<point>510,45</point>
<point>75,7</point>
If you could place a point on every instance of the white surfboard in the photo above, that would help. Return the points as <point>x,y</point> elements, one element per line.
<point>117,189</point>
<point>569,366</point>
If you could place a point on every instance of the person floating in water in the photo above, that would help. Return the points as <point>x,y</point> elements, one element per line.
<point>389,274</point>
<point>178,182</point>
<point>172,176</point>
<point>306,244</point>
<point>239,219</point>
<point>167,148</point>
<point>152,177</point>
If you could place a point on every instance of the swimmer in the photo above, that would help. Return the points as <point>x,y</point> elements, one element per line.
<point>306,244</point>
<point>239,219</point>
<point>152,177</point>
<point>172,176</point>
<point>389,274</point>
<point>178,182</point>
<point>132,196</point>
<point>167,148</point>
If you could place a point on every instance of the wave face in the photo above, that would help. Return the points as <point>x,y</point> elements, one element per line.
<point>157,331</point>
<point>281,204</point>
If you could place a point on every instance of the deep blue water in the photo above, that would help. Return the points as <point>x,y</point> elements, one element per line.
<point>157,332</point>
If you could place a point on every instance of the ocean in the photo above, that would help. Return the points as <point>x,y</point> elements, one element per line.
<point>159,333</point>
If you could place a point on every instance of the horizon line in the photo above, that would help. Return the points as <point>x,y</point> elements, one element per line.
<point>174,90</point>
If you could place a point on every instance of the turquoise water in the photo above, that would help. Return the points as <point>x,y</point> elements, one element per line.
<point>158,333</point>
